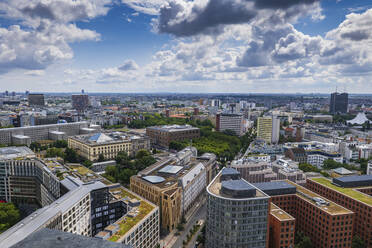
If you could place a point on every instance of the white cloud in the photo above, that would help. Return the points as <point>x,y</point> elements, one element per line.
<point>150,7</point>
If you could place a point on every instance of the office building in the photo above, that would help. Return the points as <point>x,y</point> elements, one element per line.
<point>25,179</point>
<point>282,228</point>
<point>296,154</point>
<point>237,213</point>
<point>317,157</point>
<point>80,102</point>
<point>57,239</point>
<point>36,100</point>
<point>162,136</point>
<point>176,184</point>
<point>268,129</point>
<point>233,122</point>
<point>352,192</point>
<point>339,103</point>
<point>27,135</point>
<point>253,171</point>
<point>108,144</point>
<point>326,223</point>
<point>93,209</point>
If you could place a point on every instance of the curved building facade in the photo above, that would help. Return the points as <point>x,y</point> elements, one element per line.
<point>237,213</point>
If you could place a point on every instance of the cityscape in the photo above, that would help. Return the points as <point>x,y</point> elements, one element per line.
<point>230,124</point>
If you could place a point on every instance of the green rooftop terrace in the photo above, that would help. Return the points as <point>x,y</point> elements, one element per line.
<point>127,223</point>
<point>351,192</point>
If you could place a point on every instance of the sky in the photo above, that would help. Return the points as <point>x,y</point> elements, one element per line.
<point>191,46</point>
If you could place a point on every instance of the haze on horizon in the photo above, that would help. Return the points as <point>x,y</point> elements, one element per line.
<point>200,46</point>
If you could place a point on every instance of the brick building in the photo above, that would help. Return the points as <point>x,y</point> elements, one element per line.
<point>163,135</point>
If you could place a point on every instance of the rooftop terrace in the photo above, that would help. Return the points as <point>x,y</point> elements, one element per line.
<point>280,213</point>
<point>307,195</point>
<point>351,192</point>
<point>126,223</point>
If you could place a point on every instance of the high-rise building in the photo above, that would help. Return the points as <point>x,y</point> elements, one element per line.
<point>339,103</point>
<point>268,129</point>
<point>80,102</point>
<point>36,100</point>
<point>237,212</point>
<point>233,122</point>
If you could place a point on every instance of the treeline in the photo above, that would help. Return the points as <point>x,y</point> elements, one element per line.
<point>127,166</point>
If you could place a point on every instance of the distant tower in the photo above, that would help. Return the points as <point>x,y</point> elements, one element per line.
<point>82,91</point>
<point>339,103</point>
<point>6,93</point>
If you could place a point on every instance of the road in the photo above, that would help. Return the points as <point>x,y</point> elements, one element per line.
<point>201,213</point>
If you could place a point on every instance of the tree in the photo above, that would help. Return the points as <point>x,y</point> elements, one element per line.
<point>71,156</point>
<point>305,167</point>
<point>9,215</point>
<point>101,157</point>
<point>60,144</point>
<point>358,242</point>
<point>177,145</point>
<point>142,153</point>
<point>54,152</point>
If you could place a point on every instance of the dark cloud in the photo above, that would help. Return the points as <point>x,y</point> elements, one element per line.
<point>183,18</point>
<point>204,20</point>
<point>39,10</point>
<point>281,4</point>
<point>356,35</point>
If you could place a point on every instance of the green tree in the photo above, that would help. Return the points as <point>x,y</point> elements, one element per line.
<point>60,144</point>
<point>358,242</point>
<point>142,153</point>
<point>305,167</point>
<point>54,152</point>
<point>71,156</point>
<point>101,157</point>
<point>9,215</point>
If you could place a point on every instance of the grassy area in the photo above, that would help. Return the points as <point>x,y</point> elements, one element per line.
<point>127,223</point>
<point>347,191</point>
<point>82,170</point>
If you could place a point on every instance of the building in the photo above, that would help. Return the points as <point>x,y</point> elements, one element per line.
<point>317,157</point>
<point>175,183</point>
<point>80,102</point>
<point>162,136</point>
<point>287,169</point>
<point>253,171</point>
<point>25,179</point>
<point>90,146</point>
<point>91,206</point>
<point>233,122</point>
<point>101,166</point>
<point>296,154</point>
<point>27,135</point>
<point>282,228</point>
<point>36,100</point>
<point>57,239</point>
<point>342,172</point>
<point>237,213</point>
<point>369,168</point>
<point>352,192</point>
<point>268,129</point>
<point>326,223</point>
<point>339,103</point>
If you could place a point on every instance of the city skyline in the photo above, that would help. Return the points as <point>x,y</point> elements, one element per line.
<point>183,46</point>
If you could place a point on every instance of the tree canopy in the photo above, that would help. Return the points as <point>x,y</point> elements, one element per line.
<point>9,215</point>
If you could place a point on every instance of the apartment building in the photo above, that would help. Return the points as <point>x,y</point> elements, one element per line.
<point>27,135</point>
<point>326,223</point>
<point>162,136</point>
<point>268,129</point>
<point>233,122</point>
<point>237,213</point>
<point>317,157</point>
<point>175,184</point>
<point>352,192</point>
<point>90,146</point>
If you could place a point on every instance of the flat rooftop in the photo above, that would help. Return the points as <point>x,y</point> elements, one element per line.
<point>309,196</point>
<point>126,223</point>
<point>85,174</point>
<point>13,152</point>
<point>279,213</point>
<point>351,192</point>
<point>58,239</point>
<point>173,128</point>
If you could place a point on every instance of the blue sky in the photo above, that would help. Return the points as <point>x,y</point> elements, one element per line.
<point>185,46</point>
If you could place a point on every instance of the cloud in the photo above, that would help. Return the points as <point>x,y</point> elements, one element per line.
<point>128,65</point>
<point>185,18</point>
<point>44,31</point>
<point>150,7</point>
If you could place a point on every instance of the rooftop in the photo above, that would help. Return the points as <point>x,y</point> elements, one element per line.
<point>173,128</point>
<point>312,197</point>
<point>280,213</point>
<point>58,239</point>
<point>126,223</point>
<point>351,192</point>
<point>105,138</point>
<point>13,152</point>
